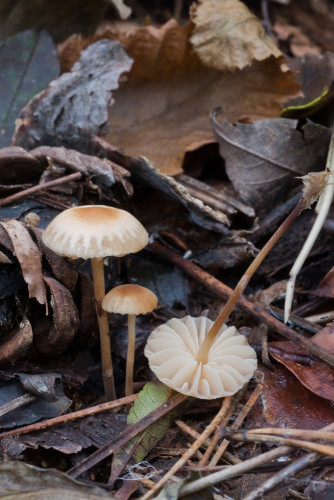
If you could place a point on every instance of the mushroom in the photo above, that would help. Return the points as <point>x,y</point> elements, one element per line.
<point>173,351</point>
<point>94,232</point>
<point>131,300</point>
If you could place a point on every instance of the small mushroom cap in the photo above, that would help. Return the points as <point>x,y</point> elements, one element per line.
<point>93,231</point>
<point>129,299</point>
<point>172,349</point>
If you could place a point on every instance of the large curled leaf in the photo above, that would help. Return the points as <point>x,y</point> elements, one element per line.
<point>162,110</point>
<point>227,36</point>
<point>262,158</point>
<point>150,397</point>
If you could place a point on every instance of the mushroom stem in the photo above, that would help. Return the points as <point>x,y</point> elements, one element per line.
<point>102,318</point>
<point>130,358</point>
<point>225,312</point>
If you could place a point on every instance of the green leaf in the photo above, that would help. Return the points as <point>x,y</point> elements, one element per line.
<point>150,397</point>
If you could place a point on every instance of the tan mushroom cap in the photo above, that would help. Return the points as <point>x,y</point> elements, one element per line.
<point>172,348</point>
<point>93,231</point>
<point>129,299</point>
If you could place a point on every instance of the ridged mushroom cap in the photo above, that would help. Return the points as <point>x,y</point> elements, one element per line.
<point>95,231</point>
<point>172,348</point>
<point>130,299</point>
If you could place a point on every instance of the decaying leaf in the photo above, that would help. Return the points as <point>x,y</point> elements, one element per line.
<point>150,397</point>
<point>326,286</point>
<point>29,257</point>
<point>78,101</point>
<point>26,481</point>
<point>262,158</point>
<point>16,343</point>
<point>287,403</point>
<point>49,401</point>
<point>28,63</point>
<point>227,36</point>
<point>65,319</point>
<point>314,374</point>
<point>162,111</point>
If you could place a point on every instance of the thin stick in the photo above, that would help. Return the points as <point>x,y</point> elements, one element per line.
<point>269,438</point>
<point>322,208</point>
<point>70,416</point>
<point>125,436</point>
<point>17,403</point>
<point>237,423</point>
<point>308,434</point>
<point>102,318</point>
<point>191,451</point>
<point>236,470</point>
<point>38,187</point>
<point>225,292</point>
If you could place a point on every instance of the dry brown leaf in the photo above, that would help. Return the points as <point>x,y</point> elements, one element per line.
<point>162,110</point>
<point>16,343</point>
<point>29,257</point>
<point>227,36</point>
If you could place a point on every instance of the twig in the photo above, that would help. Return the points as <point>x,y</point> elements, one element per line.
<point>324,317</point>
<point>125,436</point>
<point>304,433</point>
<point>322,208</point>
<point>269,438</point>
<point>38,187</point>
<point>236,470</point>
<point>224,292</point>
<point>237,423</point>
<point>17,403</point>
<point>70,416</point>
<point>190,452</point>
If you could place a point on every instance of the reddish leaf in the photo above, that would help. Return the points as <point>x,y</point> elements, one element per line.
<point>326,286</point>
<point>316,375</point>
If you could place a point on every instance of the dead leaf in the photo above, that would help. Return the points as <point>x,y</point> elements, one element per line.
<point>287,403</point>
<point>24,481</point>
<point>28,63</point>
<point>65,270</point>
<point>326,286</point>
<point>16,343</point>
<point>325,338</point>
<point>299,43</point>
<point>29,257</point>
<point>65,319</point>
<point>78,101</point>
<point>162,110</point>
<point>16,163</point>
<point>49,400</point>
<point>262,158</point>
<point>316,375</point>
<point>227,36</point>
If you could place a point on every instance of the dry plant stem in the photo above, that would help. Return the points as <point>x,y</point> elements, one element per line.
<point>27,192</point>
<point>233,471</point>
<point>225,312</point>
<point>269,438</point>
<point>237,423</point>
<point>304,433</point>
<point>16,403</point>
<point>102,318</point>
<point>282,475</point>
<point>216,436</point>
<point>125,436</point>
<point>70,416</point>
<point>191,451</point>
<point>322,208</point>
<point>225,292</point>
<point>130,358</point>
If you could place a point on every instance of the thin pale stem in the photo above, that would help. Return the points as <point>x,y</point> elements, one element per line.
<point>102,318</point>
<point>225,312</point>
<point>130,358</point>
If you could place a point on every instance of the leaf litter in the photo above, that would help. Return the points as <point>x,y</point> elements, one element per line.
<point>163,92</point>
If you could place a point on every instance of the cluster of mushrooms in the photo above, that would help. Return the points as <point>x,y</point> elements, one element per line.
<point>174,349</point>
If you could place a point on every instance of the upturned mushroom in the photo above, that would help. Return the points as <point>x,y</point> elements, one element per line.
<point>174,354</point>
<point>94,232</point>
<point>131,300</point>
